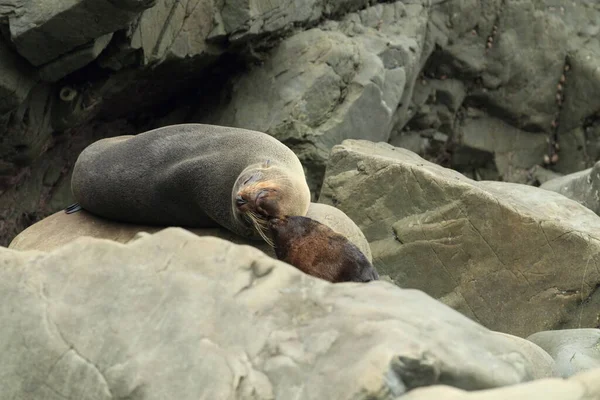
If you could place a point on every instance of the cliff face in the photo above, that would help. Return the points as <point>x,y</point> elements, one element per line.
<point>487,87</point>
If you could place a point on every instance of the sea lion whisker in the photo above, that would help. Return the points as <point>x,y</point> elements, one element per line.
<point>260,226</point>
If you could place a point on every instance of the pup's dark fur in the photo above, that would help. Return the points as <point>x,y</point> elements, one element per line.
<point>317,250</point>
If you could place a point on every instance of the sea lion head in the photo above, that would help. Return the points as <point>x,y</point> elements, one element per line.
<point>317,250</point>
<point>264,191</point>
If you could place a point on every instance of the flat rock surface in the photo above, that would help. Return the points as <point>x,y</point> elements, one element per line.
<point>173,315</point>
<point>516,258</point>
<point>582,186</point>
<point>584,386</point>
<point>60,228</point>
<point>573,350</point>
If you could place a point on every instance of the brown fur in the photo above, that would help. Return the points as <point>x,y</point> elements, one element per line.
<point>317,250</point>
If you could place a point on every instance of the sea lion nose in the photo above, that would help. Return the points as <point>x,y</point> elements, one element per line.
<point>240,201</point>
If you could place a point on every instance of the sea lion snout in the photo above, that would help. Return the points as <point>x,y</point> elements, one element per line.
<point>267,203</point>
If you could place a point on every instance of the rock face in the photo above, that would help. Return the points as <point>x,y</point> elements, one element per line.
<point>515,258</point>
<point>471,85</point>
<point>342,80</point>
<point>582,186</point>
<point>175,315</point>
<point>41,33</point>
<point>573,350</point>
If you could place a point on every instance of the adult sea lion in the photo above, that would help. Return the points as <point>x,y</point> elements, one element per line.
<point>191,175</point>
<point>318,250</point>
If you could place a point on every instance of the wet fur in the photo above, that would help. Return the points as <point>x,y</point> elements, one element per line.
<point>317,250</point>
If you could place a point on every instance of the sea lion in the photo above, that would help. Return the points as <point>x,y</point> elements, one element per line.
<point>318,250</point>
<point>191,175</point>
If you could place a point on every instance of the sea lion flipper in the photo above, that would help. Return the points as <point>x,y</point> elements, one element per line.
<point>73,208</point>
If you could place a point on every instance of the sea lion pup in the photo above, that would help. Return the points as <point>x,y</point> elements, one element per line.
<point>191,175</point>
<point>318,250</point>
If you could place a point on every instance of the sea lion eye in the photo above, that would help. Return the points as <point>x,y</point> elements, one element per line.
<point>240,201</point>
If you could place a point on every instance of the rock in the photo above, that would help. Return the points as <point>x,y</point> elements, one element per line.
<point>17,78</point>
<point>573,350</point>
<point>170,30</point>
<point>61,228</point>
<point>26,130</point>
<point>72,61</point>
<point>43,31</point>
<point>516,258</point>
<point>514,151</point>
<point>175,315</point>
<point>582,186</point>
<point>241,20</point>
<point>541,175</point>
<point>337,220</point>
<point>583,386</point>
<point>488,58</point>
<point>341,80</point>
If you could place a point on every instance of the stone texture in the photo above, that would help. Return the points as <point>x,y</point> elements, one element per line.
<point>170,30</point>
<point>60,229</point>
<point>43,31</point>
<point>17,78</point>
<point>342,80</point>
<point>175,315</point>
<point>582,186</point>
<point>515,258</point>
<point>488,62</point>
<point>584,386</point>
<point>573,350</point>
<point>74,60</point>
<point>240,20</point>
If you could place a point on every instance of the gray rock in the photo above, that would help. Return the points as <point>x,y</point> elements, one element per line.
<point>42,31</point>
<point>72,61</point>
<point>241,20</point>
<point>26,129</point>
<point>492,49</point>
<point>514,150</point>
<point>179,316</point>
<point>582,186</point>
<point>542,175</point>
<point>173,30</point>
<point>341,80</point>
<point>573,350</point>
<point>17,78</point>
<point>583,386</point>
<point>515,258</point>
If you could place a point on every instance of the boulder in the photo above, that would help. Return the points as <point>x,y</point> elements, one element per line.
<point>516,258</point>
<point>17,78</point>
<point>336,81</point>
<point>582,186</point>
<point>180,316</point>
<point>74,60</point>
<point>583,386</point>
<point>174,31</point>
<point>61,228</point>
<point>42,31</point>
<point>573,350</point>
